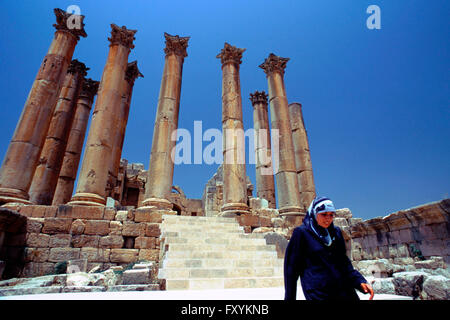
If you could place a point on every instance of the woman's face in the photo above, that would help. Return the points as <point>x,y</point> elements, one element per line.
<point>324,219</point>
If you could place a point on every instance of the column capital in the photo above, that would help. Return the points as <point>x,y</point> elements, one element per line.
<point>132,72</point>
<point>122,35</point>
<point>89,88</point>
<point>77,67</point>
<point>258,97</point>
<point>273,64</point>
<point>65,22</point>
<point>230,54</point>
<point>176,45</point>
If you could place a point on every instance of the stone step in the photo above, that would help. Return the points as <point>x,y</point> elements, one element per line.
<point>176,219</point>
<point>202,228</point>
<point>221,255</point>
<point>192,273</point>
<point>220,247</point>
<point>221,263</point>
<point>223,283</point>
<point>215,240</point>
<point>197,234</point>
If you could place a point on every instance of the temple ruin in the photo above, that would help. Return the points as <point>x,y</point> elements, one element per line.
<point>120,214</point>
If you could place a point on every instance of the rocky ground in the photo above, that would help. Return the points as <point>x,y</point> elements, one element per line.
<point>419,279</point>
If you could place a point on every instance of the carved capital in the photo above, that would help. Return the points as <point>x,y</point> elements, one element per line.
<point>132,72</point>
<point>89,89</point>
<point>77,67</point>
<point>274,64</point>
<point>230,54</point>
<point>176,45</point>
<point>122,36</point>
<point>258,97</point>
<point>71,23</point>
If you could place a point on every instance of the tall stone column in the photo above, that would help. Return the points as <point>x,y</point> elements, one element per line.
<point>160,172</point>
<point>69,168</point>
<point>22,156</point>
<point>93,177</point>
<point>302,156</point>
<point>234,174</point>
<point>265,183</point>
<point>131,74</point>
<point>286,176</point>
<point>47,172</point>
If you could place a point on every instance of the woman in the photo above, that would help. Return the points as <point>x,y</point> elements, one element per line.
<point>316,253</point>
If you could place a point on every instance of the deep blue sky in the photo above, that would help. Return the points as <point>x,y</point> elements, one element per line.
<point>376,103</point>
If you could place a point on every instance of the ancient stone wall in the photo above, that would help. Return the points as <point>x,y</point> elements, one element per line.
<point>420,232</point>
<point>104,237</point>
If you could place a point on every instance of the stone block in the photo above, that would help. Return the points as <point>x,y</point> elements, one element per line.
<point>148,255</point>
<point>131,229</point>
<point>111,241</point>
<point>144,243</point>
<point>37,269</point>
<point>248,220</point>
<point>115,227</point>
<point>121,215</point>
<point>37,240</point>
<point>78,226</point>
<point>136,276</point>
<point>96,227</point>
<point>82,240</point>
<point>95,254</point>
<point>60,240</point>
<point>148,215</point>
<point>153,230</point>
<point>109,214</point>
<point>80,212</point>
<point>63,254</point>
<point>124,255</point>
<point>36,254</point>
<point>77,265</point>
<point>56,225</point>
<point>34,225</point>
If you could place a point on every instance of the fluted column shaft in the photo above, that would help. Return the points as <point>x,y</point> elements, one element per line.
<point>69,167</point>
<point>234,172</point>
<point>93,177</point>
<point>265,182</point>
<point>22,156</point>
<point>47,172</point>
<point>161,167</point>
<point>302,156</point>
<point>131,74</point>
<point>286,176</point>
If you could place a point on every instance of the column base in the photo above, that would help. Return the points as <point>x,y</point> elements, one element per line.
<point>8,195</point>
<point>292,211</point>
<point>87,199</point>
<point>233,210</point>
<point>156,203</point>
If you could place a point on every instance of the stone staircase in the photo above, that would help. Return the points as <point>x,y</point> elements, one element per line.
<point>214,253</point>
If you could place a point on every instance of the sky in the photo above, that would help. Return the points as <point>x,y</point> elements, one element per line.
<point>376,102</point>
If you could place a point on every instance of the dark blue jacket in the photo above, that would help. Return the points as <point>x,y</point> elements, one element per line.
<point>326,273</point>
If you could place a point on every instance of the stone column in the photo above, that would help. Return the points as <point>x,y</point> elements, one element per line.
<point>47,172</point>
<point>234,174</point>
<point>22,156</point>
<point>131,74</point>
<point>93,177</point>
<point>286,175</point>
<point>69,168</point>
<point>160,172</point>
<point>265,183</point>
<point>302,156</point>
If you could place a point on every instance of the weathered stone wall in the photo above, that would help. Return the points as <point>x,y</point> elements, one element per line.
<point>104,237</point>
<point>12,226</point>
<point>419,232</point>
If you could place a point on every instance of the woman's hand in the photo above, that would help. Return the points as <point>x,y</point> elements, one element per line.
<point>367,288</point>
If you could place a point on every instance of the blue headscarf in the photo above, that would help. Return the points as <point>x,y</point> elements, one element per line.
<point>320,204</point>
